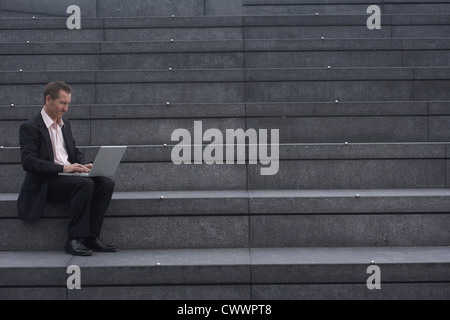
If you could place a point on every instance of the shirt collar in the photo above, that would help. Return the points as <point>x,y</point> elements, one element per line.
<point>48,121</point>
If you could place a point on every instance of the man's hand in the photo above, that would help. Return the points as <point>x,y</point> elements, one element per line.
<point>76,167</point>
<point>89,165</point>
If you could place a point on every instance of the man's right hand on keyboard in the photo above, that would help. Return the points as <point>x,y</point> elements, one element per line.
<point>76,167</point>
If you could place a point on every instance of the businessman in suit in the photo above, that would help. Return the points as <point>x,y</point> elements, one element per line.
<point>47,148</point>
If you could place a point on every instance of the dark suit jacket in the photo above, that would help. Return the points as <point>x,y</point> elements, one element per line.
<point>36,153</point>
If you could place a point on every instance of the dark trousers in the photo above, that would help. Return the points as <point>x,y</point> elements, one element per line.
<point>89,199</point>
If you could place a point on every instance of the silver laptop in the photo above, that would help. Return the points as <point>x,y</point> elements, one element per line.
<point>105,164</point>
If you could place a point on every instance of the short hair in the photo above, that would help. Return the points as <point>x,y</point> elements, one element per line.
<point>52,89</point>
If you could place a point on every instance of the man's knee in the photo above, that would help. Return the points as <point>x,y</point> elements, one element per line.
<point>107,183</point>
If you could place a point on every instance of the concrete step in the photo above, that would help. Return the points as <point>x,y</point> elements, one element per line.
<point>99,34</point>
<point>292,130</point>
<point>223,28</point>
<point>240,273</point>
<point>356,122</point>
<point>106,8</point>
<point>219,87</point>
<point>27,8</point>
<point>274,7</point>
<point>230,218</point>
<point>234,85</point>
<point>345,26</point>
<point>110,29</point>
<point>197,22</point>
<point>299,151</point>
<point>214,46</point>
<point>310,53</point>
<point>293,85</point>
<point>156,8</point>
<point>335,167</point>
<point>122,55</point>
<point>235,110</point>
<point>259,202</point>
<point>230,54</point>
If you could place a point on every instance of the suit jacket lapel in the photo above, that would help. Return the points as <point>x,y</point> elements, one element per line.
<point>44,130</point>
<point>68,141</point>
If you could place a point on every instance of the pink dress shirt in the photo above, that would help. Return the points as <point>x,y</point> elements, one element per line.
<point>59,147</point>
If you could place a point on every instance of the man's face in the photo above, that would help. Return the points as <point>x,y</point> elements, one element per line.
<point>56,108</point>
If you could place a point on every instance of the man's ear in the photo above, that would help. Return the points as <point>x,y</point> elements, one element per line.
<point>48,98</point>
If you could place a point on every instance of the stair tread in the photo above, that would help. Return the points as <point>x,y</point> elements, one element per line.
<point>311,193</point>
<point>230,256</point>
<point>231,266</point>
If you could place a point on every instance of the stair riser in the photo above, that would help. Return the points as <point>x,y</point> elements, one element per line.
<point>346,59</point>
<point>109,8</point>
<point>382,230</point>
<point>227,60</point>
<point>116,8</point>
<point>196,292</point>
<point>130,93</point>
<point>350,230</point>
<point>236,110</point>
<point>128,233</point>
<point>407,291</point>
<point>348,91</point>
<point>432,90</point>
<point>413,291</point>
<point>339,151</point>
<point>301,174</point>
<point>298,32</point>
<point>291,130</point>
<point>98,35</point>
<point>225,33</point>
<point>254,203</point>
<point>343,8</point>
<point>124,61</point>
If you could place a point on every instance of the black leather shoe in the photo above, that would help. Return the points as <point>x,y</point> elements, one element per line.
<point>77,248</point>
<point>96,245</point>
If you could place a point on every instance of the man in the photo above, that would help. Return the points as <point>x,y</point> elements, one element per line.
<point>47,148</point>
